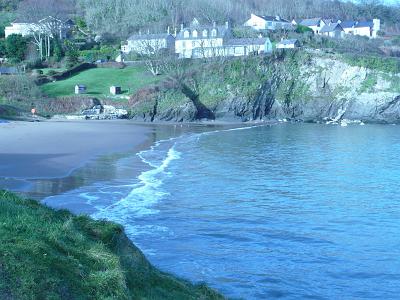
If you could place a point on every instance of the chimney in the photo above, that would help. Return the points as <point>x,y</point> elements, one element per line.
<point>182,27</point>
<point>227,25</point>
<point>278,18</point>
<point>175,32</point>
<point>168,31</point>
<point>260,36</point>
<point>214,24</point>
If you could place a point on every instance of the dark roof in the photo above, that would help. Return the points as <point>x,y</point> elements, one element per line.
<point>246,41</point>
<point>288,42</point>
<point>329,21</point>
<point>273,18</point>
<point>364,24</point>
<point>311,22</point>
<point>155,36</point>
<point>222,32</point>
<point>8,70</point>
<point>331,28</point>
<point>348,24</point>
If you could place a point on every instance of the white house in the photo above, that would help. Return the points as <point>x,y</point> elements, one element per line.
<point>368,28</point>
<point>195,39</point>
<point>149,43</point>
<point>288,44</point>
<point>48,25</point>
<point>315,24</point>
<point>362,28</point>
<point>333,30</point>
<point>268,23</point>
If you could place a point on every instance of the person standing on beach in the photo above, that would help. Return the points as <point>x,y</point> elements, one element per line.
<point>33,110</point>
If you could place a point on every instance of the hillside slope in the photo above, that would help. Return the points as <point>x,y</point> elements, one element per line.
<point>47,254</point>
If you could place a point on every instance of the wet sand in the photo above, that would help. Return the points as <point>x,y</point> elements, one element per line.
<point>55,149</point>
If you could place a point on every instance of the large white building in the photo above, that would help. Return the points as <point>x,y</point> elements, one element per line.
<point>197,41</point>
<point>198,38</point>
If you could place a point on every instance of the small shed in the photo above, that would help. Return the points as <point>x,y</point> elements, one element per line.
<point>288,44</point>
<point>80,89</point>
<point>115,90</point>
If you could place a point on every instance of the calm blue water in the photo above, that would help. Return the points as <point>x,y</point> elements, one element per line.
<point>286,211</point>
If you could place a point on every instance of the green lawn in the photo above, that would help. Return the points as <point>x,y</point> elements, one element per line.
<point>99,80</point>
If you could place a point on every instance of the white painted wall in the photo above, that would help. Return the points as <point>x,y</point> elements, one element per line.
<point>23,29</point>
<point>256,22</point>
<point>185,47</point>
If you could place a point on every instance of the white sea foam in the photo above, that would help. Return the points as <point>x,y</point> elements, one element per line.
<point>146,193</point>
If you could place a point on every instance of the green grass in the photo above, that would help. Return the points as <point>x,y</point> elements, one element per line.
<point>48,254</point>
<point>368,84</point>
<point>99,80</point>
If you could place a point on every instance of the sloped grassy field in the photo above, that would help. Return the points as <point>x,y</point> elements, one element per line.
<point>99,80</point>
<point>48,254</point>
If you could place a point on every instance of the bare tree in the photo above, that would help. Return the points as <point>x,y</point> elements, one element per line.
<point>46,19</point>
<point>155,54</point>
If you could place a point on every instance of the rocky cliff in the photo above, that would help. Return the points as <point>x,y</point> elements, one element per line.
<point>300,85</point>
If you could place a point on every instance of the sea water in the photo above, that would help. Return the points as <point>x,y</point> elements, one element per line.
<point>289,211</point>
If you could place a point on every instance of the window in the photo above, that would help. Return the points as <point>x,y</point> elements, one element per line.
<point>194,33</point>
<point>186,34</point>
<point>214,32</point>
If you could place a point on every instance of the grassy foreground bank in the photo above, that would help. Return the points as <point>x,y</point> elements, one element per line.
<point>48,254</point>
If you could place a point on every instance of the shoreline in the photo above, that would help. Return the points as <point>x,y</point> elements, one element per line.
<point>42,159</point>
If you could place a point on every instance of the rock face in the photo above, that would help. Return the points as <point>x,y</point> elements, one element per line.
<point>104,112</point>
<point>97,112</point>
<point>307,87</point>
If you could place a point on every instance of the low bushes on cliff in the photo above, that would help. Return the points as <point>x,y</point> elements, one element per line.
<point>47,254</point>
<point>383,64</point>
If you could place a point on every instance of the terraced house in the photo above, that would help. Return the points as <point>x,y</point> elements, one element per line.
<point>338,28</point>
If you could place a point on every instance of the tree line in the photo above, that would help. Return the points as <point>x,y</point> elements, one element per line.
<point>123,17</point>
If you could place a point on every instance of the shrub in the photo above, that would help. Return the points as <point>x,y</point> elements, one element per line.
<point>104,53</point>
<point>15,47</point>
<point>52,73</point>
<point>383,64</point>
<point>37,72</point>
<point>303,29</point>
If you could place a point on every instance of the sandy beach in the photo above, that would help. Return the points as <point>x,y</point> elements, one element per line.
<point>54,149</point>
